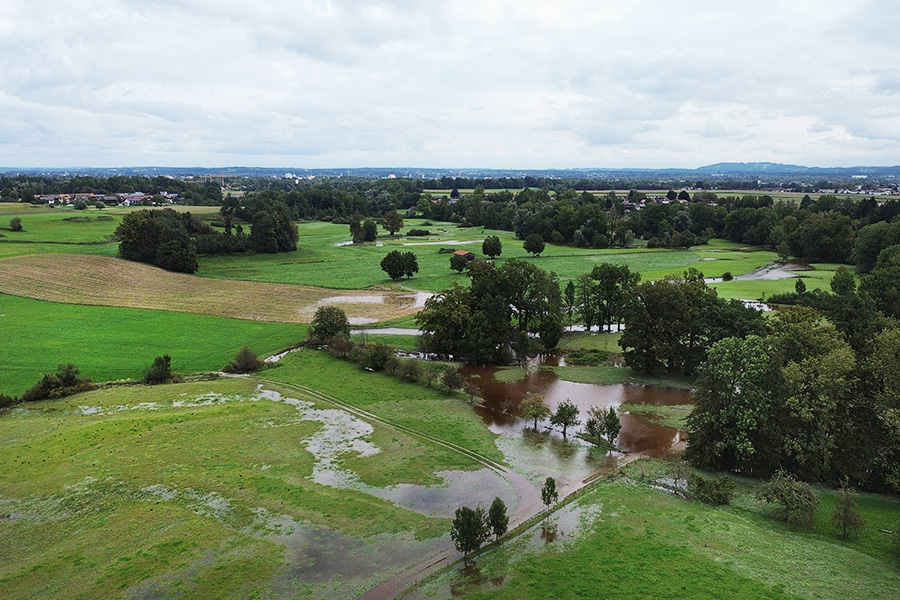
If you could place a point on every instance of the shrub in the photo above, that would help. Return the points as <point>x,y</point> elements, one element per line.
<point>727,276</point>
<point>7,400</point>
<point>712,490</point>
<point>797,500</point>
<point>80,204</point>
<point>64,382</point>
<point>846,515</point>
<point>160,371</point>
<point>376,357</point>
<point>99,205</point>
<point>15,224</point>
<point>409,370</point>
<point>246,361</point>
<point>418,232</point>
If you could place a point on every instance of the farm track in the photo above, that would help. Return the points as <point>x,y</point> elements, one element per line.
<point>105,281</point>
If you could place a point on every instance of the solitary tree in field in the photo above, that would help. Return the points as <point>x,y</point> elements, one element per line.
<point>15,224</point>
<point>566,416</point>
<point>246,361</point>
<point>491,246</point>
<point>397,264</point>
<point>469,530</point>
<point>392,221</point>
<point>452,379</point>
<point>534,244</point>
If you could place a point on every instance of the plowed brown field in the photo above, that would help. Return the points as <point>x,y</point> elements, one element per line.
<point>104,281</point>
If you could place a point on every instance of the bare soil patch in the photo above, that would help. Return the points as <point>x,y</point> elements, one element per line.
<point>104,281</point>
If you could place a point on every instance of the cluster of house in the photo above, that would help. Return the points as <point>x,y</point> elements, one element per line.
<point>124,199</point>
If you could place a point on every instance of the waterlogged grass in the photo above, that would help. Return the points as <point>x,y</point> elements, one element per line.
<point>674,415</point>
<point>818,278</point>
<point>647,543</point>
<point>427,410</point>
<point>121,343</point>
<point>143,497</point>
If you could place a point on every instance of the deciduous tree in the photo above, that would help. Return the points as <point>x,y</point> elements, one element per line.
<point>566,416</point>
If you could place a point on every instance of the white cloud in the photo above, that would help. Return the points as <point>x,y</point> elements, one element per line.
<point>497,84</point>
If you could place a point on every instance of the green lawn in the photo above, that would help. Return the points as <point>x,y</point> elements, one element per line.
<point>108,493</point>
<point>635,541</point>
<point>120,343</point>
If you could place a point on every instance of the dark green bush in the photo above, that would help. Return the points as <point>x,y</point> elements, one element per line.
<point>246,361</point>
<point>711,490</point>
<point>160,371</point>
<point>64,382</point>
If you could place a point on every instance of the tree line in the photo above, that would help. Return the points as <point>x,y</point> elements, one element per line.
<point>815,393</point>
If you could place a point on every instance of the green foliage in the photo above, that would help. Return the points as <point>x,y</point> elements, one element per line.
<point>6,401</point>
<point>549,495</point>
<point>64,382</point>
<point>800,286</point>
<point>846,516</point>
<point>797,500</point>
<point>458,262</point>
<point>158,237</point>
<point>670,324</point>
<point>328,322</point>
<point>245,361</point>
<point>392,221</point>
<point>492,246</point>
<point>534,408</point>
<point>604,293</point>
<point>409,370</point>
<point>15,224</point>
<point>397,264</point>
<point>534,244</point>
<point>566,416</point>
<point>376,357</point>
<point>603,423</point>
<point>469,529</point>
<point>160,371</point>
<point>497,518</point>
<point>711,490</point>
<point>732,405</point>
<point>452,379</point>
<point>843,283</point>
<point>273,230</point>
<point>80,204</point>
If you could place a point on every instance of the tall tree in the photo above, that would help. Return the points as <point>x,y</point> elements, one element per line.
<point>469,530</point>
<point>566,416</point>
<point>497,518</point>
<point>392,222</point>
<point>534,244</point>
<point>549,494</point>
<point>491,246</point>
<point>534,408</point>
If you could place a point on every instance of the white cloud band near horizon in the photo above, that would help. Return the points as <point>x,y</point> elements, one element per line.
<point>453,84</point>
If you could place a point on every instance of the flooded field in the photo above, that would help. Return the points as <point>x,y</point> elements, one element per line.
<point>545,452</point>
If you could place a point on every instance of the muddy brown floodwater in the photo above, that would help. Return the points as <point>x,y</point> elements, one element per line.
<point>546,452</point>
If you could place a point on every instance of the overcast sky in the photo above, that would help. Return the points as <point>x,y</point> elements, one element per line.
<point>483,83</point>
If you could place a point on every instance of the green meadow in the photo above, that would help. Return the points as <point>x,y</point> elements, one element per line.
<point>109,343</point>
<point>628,538</point>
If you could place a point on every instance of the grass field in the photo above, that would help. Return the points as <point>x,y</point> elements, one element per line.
<point>409,404</point>
<point>627,539</point>
<point>320,261</point>
<point>105,281</point>
<point>120,343</point>
<point>194,490</point>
